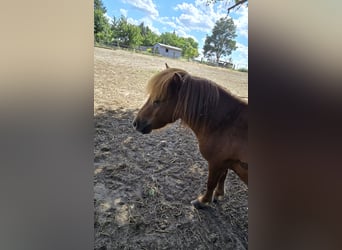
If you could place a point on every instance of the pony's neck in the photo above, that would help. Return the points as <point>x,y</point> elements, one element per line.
<point>227,111</point>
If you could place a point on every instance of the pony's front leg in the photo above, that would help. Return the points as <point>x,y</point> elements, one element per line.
<point>215,172</point>
<point>219,190</point>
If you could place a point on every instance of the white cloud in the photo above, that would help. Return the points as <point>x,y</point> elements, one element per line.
<point>167,21</point>
<point>243,49</point>
<point>176,26</point>
<point>182,33</point>
<point>202,17</point>
<point>110,19</point>
<point>147,22</point>
<point>240,56</point>
<point>123,12</point>
<point>146,6</point>
<point>242,21</point>
<point>189,17</point>
<point>198,17</point>
<point>195,16</point>
<point>133,21</point>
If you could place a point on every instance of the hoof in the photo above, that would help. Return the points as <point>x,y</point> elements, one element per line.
<point>199,205</point>
<point>218,198</point>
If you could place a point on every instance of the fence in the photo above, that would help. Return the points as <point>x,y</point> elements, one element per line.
<point>144,50</point>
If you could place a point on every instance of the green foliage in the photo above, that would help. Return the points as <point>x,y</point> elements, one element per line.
<point>102,31</point>
<point>105,36</point>
<point>122,33</point>
<point>243,70</point>
<point>98,5</point>
<point>149,38</point>
<point>221,42</point>
<point>134,36</point>
<point>189,48</point>
<point>188,45</point>
<point>170,39</point>
<point>126,34</point>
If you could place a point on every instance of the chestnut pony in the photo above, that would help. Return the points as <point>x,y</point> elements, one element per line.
<point>218,119</point>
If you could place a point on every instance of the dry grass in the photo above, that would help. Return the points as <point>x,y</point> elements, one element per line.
<point>121,77</point>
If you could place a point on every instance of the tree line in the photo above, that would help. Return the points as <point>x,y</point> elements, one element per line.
<point>121,33</point>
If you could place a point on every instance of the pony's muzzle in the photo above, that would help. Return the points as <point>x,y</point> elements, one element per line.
<point>142,126</point>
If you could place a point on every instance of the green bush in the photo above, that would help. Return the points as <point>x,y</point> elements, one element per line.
<point>243,70</point>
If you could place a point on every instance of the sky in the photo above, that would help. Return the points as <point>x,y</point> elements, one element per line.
<point>188,18</point>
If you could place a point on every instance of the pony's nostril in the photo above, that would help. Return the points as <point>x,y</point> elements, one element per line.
<point>135,124</point>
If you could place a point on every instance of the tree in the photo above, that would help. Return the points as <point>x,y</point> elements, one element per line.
<point>221,42</point>
<point>149,38</point>
<point>102,31</point>
<point>99,5</point>
<point>134,36</point>
<point>122,33</point>
<point>170,39</point>
<point>188,45</point>
<point>189,48</point>
<point>125,33</point>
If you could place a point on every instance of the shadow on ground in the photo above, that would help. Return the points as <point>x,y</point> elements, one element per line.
<point>143,185</point>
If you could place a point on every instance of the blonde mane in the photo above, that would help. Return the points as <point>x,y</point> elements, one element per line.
<point>197,100</point>
<point>158,84</point>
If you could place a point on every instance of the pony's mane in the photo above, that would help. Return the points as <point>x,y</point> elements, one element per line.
<point>158,84</point>
<point>198,98</point>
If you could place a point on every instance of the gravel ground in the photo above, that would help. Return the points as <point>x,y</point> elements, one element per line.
<point>143,184</point>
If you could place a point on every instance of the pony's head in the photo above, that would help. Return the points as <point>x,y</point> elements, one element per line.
<point>160,105</point>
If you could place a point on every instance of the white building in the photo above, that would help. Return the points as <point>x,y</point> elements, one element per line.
<point>167,50</point>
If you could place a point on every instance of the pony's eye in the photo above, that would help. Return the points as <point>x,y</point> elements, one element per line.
<point>156,102</point>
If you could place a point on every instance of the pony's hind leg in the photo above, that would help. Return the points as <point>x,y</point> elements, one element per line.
<point>241,169</point>
<point>219,190</point>
<point>238,168</point>
<point>215,172</point>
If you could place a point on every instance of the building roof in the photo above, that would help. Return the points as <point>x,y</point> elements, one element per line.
<point>169,46</point>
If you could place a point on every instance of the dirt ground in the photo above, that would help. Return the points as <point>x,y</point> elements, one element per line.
<point>143,184</point>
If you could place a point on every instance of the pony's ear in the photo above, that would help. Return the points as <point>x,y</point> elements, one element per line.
<point>167,66</point>
<point>177,77</point>
<point>176,83</point>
